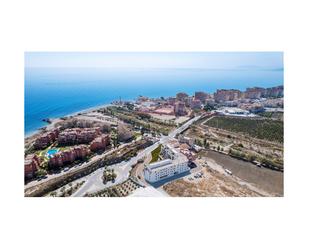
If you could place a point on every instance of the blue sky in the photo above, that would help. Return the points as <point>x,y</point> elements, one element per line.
<point>168,60</point>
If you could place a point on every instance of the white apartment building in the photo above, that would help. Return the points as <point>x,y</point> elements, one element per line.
<point>175,164</point>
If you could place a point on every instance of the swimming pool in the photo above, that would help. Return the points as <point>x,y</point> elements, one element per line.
<point>51,152</point>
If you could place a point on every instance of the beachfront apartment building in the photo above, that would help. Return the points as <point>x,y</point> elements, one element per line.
<point>32,163</point>
<point>100,143</point>
<point>68,156</point>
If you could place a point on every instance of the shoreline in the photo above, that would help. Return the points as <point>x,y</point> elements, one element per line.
<point>52,120</point>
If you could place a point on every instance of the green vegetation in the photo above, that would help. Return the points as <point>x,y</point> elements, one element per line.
<point>109,175</point>
<point>155,154</point>
<point>237,153</point>
<point>271,130</point>
<point>143,115</point>
<point>206,144</point>
<point>117,156</point>
<point>41,173</point>
<point>199,142</point>
<point>138,119</point>
<point>66,192</point>
<point>208,107</point>
<point>271,163</point>
<point>274,115</point>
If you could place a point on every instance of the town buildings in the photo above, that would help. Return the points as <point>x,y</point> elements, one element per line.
<point>196,104</point>
<point>255,93</point>
<point>227,95</point>
<point>180,108</point>
<point>274,92</point>
<point>181,96</point>
<point>32,163</point>
<point>202,96</point>
<point>236,98</point>
<point>259,92</point>
<point>171,101</point>
<point>273,103</point>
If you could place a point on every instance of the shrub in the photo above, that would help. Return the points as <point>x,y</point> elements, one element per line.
<point>271,130</point>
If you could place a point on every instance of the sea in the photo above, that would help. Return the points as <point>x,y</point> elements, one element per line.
<point>57,92</point>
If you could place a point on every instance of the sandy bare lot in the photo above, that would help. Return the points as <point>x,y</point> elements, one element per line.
<point>268,180</point>
<point>213,184</point>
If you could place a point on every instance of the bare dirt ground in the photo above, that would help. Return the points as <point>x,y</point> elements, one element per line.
<point>265,179</point>
<point>246,180</point>
<point>213,184</point>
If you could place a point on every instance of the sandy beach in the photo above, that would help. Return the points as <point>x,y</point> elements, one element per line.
<point>53,121</point>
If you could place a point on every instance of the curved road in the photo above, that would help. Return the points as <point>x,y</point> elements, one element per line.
<point>94,182</point>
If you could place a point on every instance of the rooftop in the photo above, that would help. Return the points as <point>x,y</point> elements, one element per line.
<point>159,164</point>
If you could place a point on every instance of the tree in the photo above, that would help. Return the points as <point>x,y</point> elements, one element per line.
<point>41,172</point>
<point>198,142</point>
<point>208,107</point>
<point>218,148</point>
<point>144,115</point>
<point>205,142</point>
<point>251,158</point>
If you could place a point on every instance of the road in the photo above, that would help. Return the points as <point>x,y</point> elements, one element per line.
<point>76,167</point>
<point>94,182</point>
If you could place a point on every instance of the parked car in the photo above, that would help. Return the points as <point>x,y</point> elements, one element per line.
<point>228,171</point>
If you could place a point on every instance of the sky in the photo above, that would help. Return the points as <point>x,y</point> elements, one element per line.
<point>168,60</point>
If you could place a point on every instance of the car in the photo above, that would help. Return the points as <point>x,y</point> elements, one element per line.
<point>66,169</point>
<point>228,171</point>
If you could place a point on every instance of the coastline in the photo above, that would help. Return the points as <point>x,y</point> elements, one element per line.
<point>56,119</point>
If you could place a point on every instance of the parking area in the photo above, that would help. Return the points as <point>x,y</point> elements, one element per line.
<point>195,177</point>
